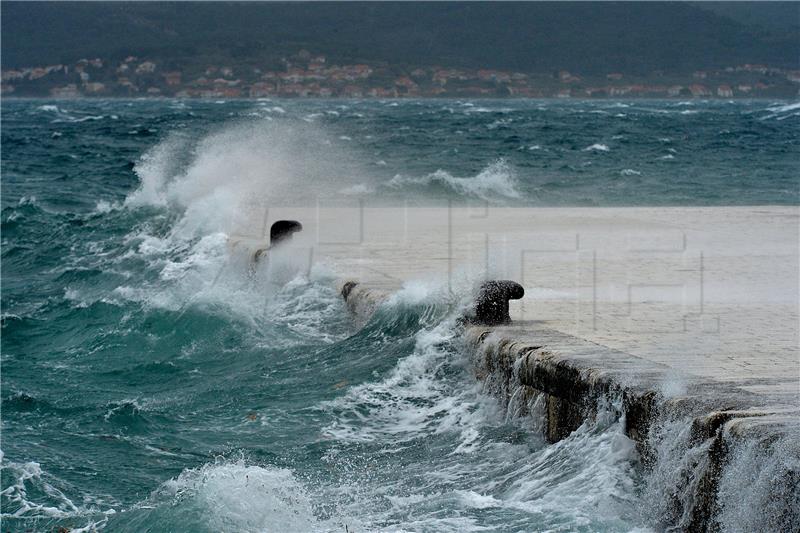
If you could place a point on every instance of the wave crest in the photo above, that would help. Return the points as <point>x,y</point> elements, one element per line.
<point>233,496</point>
<point>496,181</point>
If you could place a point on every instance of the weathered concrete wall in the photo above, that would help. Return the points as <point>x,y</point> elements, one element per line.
<point>575,376</point>
<point>571,392</point>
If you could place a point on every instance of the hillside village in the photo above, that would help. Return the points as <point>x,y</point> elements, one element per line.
<point>312,75</point>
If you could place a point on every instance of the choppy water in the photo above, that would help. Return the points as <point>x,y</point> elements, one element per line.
<point>151,382</point>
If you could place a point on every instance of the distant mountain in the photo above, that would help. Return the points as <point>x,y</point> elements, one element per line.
<point>771,16</point>
<point>584,37</point>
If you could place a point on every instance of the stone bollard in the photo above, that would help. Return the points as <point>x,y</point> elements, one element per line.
<point>346,288</point>
<point>491,306</point>
<point>281,231</point>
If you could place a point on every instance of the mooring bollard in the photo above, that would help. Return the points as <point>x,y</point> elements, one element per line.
<point>280,231</point>
<point>346,288</point>
<point>491,306</point>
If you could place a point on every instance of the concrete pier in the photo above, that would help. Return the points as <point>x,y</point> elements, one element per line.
<point>685,313</point>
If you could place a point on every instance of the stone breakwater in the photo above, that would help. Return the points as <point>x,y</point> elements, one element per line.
<point>707,453</point>
<point>682,321</point>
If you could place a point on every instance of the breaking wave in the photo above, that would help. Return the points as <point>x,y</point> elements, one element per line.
<point>597,147</point>
<point>496,181</point>
<point>228,495</point>
<point>477,457</point>
<point>224,180</point>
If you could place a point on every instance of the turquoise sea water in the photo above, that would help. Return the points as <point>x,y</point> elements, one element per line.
<point>150,382</point>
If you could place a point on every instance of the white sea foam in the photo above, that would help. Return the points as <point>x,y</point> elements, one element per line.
<point>498,180</point>
<point>629,172</point>
<point>76,297</point>
<point>674,384</point>
<point>89,117</point>
<point>785,107</point>
<point>590,475</point>
<point>206,274</point>
<point>783,112</point>
<point>586,479</point>
<point>104,206</point>
<point>309,307</point>
<point>478,501</point>
<point>236,496</point>
<point>22,481</point>
<point>412,400</point>
<point>209,273</point>
<point>597,147</point>
<point>418,292</point>
<point>207,253</point>
<point>498,123</point>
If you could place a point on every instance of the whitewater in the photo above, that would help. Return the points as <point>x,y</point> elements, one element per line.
<point>154,380</point>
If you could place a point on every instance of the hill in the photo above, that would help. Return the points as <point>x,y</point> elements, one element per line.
<point>590,38</point>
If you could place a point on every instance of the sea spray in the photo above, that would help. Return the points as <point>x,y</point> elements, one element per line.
<point>229,495</point>
<point>759,486</point>
<point>719,481</point>
<point>224,180</point>
<point>679,462</point>
<point>691,467</point>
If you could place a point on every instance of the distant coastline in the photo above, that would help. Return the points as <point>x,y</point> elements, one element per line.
<point>305,75</point>
<point>20,98</point>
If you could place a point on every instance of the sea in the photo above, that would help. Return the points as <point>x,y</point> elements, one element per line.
<point>141,392</point>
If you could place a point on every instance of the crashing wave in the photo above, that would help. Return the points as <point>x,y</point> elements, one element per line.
<point>496,181</point>
<point>597,147</point>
